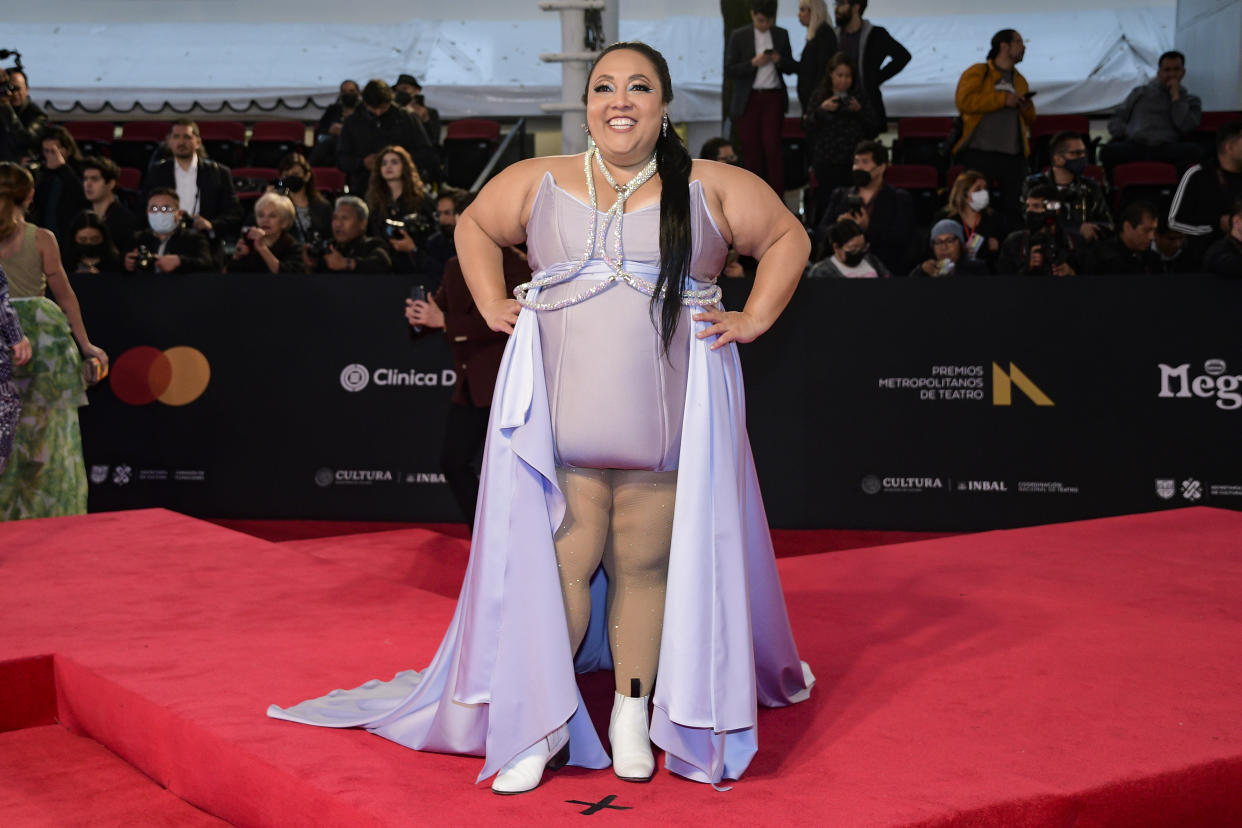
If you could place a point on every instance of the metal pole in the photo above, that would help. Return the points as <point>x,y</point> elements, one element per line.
<point>574,60</point>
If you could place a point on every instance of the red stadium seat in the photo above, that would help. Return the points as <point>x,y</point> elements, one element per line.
<point>952,174</point>
<point>1094,172</point>
<point>329,179</point>
<point>1213,121</point>
<point>1052,124</point>
<point>912,176</point>
<point>137,141</point>
<point>473,129</point>
<point>129,179</point>
<point>919,139</point>
<point>468,145</point>
<point>93,137</point>
<point>155,131</point>
<point>1151,180</point>
<point>223,140</point>
<point>272,140</point>
<point>937,128</point>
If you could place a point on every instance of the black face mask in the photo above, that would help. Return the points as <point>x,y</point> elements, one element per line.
<point>1035,221</point>
<point>349,99</point>
<point>854,258</point>
<point>90,251</point>
<point>402,98</point>
<point>294,183</point>
<point>860,178</point>
<point>1077,166</point>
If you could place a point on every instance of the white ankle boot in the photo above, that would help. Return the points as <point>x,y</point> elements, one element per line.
<point>525,771</point>
<point>631,741</point>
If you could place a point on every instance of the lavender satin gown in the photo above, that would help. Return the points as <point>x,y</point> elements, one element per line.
<point>587,385</point>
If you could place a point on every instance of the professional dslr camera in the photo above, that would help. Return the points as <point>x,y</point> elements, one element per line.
<point>145,261</point>
<point>415,225</point>
<point>317,245</point>
<point>1050,237</point>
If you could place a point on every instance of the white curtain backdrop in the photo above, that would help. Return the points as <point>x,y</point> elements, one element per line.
<point>1080,60</point>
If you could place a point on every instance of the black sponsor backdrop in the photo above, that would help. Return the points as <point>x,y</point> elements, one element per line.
<point>823,429</point>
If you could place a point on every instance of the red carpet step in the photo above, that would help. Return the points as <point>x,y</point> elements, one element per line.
<point>1081,674</point>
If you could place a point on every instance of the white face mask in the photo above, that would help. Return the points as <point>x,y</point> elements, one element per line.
<point>978,200</point>
<point>162,222</point>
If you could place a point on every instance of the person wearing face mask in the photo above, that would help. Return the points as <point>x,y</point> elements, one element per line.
<point>1130,250</point>
<point>969,205</point>
<point>886,214</point>
<point>408,94</point>
<point>176,248</point>
<point>312,212</point>
<point>1044,247</point>
<point>91,249</point>
<point>838,117</point>
<point>328,130</point>
<point>1224,257</point>
<point>269,246</point>
<point>1169,247</point>
<point>846,255</point>
<point>376,124</point>
<point>1084,200</point>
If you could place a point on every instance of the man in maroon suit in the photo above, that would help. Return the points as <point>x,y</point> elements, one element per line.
<point>477,351</point>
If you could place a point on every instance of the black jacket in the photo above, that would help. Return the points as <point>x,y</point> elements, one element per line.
<point>287,250</point>
<point>1084,199</point>
<point>890,230</point>
<point>876,46</point>
<point>364,134</point>
<point>1015,254</point>
<point>1112,256</point>
<point>814,62</point>
<point>122,225</point>
<point>192,247</point>
<point>58,198</point>
<point>217,201</point>
<point>739,54</point>
<point>370,255</point>
<point>19,130</point>
<point>1224,258</point>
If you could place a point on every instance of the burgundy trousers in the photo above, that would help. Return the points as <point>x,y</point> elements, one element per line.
<point>759,129</point>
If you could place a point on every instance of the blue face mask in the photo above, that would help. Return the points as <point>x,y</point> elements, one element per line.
<point>162,223</point>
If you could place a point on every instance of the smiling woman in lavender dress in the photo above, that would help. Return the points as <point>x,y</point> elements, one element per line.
<point>619,523</point>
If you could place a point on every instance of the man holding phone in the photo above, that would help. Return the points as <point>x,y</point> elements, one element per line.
<point>996,107</point>
<point>757,58</point>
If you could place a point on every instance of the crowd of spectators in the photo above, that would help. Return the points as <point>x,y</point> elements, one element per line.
<point>998,215</point>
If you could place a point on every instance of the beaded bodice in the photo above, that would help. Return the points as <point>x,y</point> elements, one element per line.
<point>560,226</point>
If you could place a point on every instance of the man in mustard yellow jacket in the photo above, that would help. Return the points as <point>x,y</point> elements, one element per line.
<point>997,111</point>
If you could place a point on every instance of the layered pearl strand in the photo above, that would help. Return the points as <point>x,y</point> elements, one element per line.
<point>612,219</point>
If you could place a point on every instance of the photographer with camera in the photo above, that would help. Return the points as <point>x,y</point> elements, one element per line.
<point>837,118</point>
<point>269,246</point>
<point>1086,205</point>
<point>1045,247</point>
<point>21,120</point>
<point>351,250</point>
<point>397,200</point>
<point>170,245</point>
<point>204,187</point>
<point>886,214</point>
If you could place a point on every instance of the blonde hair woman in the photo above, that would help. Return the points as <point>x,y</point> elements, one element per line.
<point>269,247</point>
<point>821,44</point>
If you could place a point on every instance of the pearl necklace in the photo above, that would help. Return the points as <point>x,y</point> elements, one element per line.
<point>615,214</point>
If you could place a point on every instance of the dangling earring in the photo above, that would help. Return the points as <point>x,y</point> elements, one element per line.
<point>664,129</point>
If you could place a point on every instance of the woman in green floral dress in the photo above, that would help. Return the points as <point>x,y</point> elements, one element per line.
<point>45,475</point>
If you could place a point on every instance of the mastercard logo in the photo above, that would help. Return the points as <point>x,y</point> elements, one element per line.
<point>177,376</point>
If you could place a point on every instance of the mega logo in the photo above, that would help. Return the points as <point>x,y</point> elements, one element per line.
<point>1003,383</point>
<point>1213,382</point>
<point>143,375</point>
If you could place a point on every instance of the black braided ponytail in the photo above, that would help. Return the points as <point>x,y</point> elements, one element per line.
<point>673,163</point>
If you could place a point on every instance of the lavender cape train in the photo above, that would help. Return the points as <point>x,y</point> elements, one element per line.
<point>504,677</point>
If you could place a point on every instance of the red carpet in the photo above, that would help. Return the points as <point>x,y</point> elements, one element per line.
<point>1082,674</point>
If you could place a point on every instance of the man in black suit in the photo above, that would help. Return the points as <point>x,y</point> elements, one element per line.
<point>757,58</point>
<point>172,247</point>
<point>204,187</point>
<point>375,125</point>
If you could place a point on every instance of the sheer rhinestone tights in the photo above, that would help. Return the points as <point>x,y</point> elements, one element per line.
<point>624,520</point>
